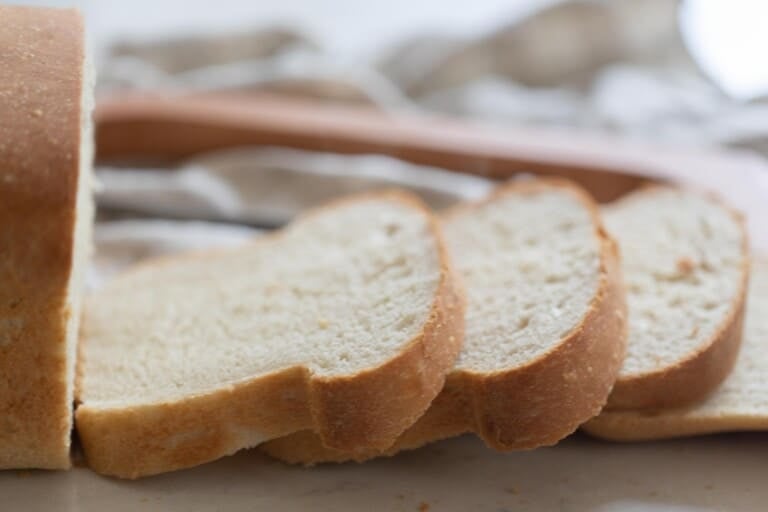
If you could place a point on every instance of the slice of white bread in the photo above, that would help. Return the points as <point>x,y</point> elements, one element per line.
<point>740,403</point>
<point>686,266</point>
<point>345,322</point>
<point>546,325</point>
<point>45,224</point>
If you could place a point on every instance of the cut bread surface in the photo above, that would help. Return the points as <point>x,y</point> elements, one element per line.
<point>686,265</point>
<point>503,250</point>
<point>740,403</point>
<point>337,293</point>
<point>46,213</point>
<point>545,325</point>
<point>350,304</point>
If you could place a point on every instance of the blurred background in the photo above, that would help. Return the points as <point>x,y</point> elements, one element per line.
<point>661,73</point>
<point>691,68</point>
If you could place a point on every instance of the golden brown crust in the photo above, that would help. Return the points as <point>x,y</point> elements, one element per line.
<point>41,80</point>
<point>130,442</point>
<point>526,407</point>
<point>363,411</point>
<point>702,371</point>
<point>659,424</point>
<point>449,415</point>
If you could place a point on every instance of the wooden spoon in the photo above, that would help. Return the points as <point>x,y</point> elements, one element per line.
<point>172,127</point>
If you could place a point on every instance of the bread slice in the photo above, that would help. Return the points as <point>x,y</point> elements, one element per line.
<point>45,223</point>
<point>545,323</point>
<point>346,322</point>
<point>740,403</point>
<point>686,265</point>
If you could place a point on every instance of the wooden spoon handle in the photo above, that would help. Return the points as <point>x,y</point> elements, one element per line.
<point>172,127</point>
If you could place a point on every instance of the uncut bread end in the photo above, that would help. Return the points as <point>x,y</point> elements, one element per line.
<point>46,212</point>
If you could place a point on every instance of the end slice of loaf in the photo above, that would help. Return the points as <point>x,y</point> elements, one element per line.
<point>545,325</point>
<point>686,265</point>
<point>345,322</point>
<point>739,404</point>
<point>45,223</point>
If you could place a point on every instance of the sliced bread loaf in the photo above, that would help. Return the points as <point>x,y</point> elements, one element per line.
<point>686,264</point>
<point>545,324</point>
<point>346,322</point>
<point>45,220</point>
<point>740,403</point>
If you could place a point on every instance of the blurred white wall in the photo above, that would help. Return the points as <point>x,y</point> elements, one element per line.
<point>351,28</point>
<point>726,37</point>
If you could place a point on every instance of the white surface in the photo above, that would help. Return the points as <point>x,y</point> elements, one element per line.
<point>707,474</point>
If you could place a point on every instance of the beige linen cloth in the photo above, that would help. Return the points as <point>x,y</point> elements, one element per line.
<point>573,65</point>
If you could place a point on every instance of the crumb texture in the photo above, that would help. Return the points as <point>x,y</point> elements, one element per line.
<point>340,291</point>
<point>531,266</point>
<point>683,258</point>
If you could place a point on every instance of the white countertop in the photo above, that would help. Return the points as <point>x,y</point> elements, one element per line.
<point>726,472</point>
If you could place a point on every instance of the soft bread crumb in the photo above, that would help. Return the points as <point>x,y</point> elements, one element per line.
<point>201,323</point>
<point>543,290</point>
<point>675,304</point>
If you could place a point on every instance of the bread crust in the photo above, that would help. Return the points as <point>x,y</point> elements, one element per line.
<point>659,424</point>
<point>523,408</point>
<point>41,86</point>
<point>695,377</point>
<point>366,410</point>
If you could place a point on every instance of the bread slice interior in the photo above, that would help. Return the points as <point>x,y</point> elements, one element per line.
<point>686,263</point>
